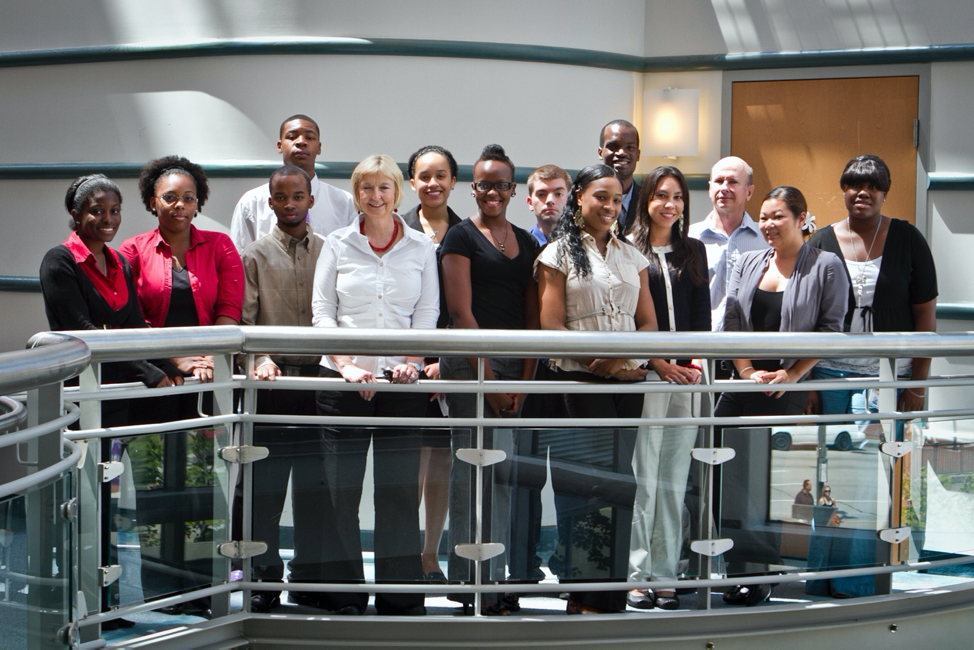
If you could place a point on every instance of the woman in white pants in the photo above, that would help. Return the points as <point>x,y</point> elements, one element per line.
<point>661,462</point>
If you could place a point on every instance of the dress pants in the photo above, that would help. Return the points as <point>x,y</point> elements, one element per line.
<point>592,477</point>
<point>395,455</point>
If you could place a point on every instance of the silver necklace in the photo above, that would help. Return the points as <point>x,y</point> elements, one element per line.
<point>860,280</point>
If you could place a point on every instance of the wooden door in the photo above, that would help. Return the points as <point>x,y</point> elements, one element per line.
<point>803,132</point>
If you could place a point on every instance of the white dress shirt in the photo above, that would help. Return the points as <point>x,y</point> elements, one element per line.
<point>723,251</point>
<point>253,216</point>
<point>354,287</point>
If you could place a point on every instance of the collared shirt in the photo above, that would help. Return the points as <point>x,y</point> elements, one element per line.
<point>253,216</point>
<point>539,234</point>
<point>625,223</point>
<point>723,251</point>
<point>354,287</point>
<point>111,286</point>
<point>606,299</point>
<point>279,272</point>
<point>215,275</point>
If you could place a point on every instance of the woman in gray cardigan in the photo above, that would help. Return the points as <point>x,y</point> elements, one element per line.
<point>790,287</point>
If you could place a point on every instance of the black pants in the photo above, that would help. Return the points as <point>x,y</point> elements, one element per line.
<point>594,485</point>
<point>395,454</point>
<point>297,453</point>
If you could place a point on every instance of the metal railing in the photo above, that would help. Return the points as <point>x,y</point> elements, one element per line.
<point>56,357</point>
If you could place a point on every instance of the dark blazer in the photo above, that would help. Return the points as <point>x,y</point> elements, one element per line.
<point>625,220</point>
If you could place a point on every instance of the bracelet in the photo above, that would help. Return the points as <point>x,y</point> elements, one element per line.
<point>743,370</point>
<point>417,365</point>
<point>920,395</point>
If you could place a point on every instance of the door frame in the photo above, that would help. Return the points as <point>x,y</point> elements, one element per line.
<point>920,70</point>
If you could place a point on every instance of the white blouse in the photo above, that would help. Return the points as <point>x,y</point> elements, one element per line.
<point>354,287</point>
<point>606,299</point>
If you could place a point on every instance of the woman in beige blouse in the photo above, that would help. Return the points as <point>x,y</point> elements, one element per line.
<point>589,279</point>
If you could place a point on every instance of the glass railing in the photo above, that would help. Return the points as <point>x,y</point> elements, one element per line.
<point>327,506</point>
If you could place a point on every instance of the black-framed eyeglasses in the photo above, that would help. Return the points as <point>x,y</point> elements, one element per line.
<point>170,199</point>
<point>484,186</point>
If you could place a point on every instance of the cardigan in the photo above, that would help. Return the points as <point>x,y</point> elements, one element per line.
<point>814,299</point>
<point>907,276</point>
<point>411,219</point>
<point>73,303</point>
<point>216,275</point>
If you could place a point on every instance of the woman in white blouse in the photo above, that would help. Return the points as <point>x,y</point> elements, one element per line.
<point>589,279</point>
<point>375,273</point>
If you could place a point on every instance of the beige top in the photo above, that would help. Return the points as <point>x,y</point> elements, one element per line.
<point>606,299</point>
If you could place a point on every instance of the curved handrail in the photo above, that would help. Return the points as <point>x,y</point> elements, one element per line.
<point>61,356</point>
<point>14,417</point>
<point>43,476</point>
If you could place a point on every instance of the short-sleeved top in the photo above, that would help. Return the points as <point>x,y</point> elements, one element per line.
<point>498,283</point>
<point>604,300</point>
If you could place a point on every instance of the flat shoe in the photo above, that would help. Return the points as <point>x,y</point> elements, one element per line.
<point>436,577</point>
<point>261,602</point>
<point>639,599</point>
<point>351,610</point>
<point>667,602</point>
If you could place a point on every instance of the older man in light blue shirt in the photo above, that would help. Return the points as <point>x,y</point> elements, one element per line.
<point>728,231</point>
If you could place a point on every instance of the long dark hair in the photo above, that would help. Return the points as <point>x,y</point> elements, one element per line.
<point>567,235</point>
<point>684,259</point>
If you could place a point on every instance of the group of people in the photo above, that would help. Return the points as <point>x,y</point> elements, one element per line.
<point>606,255</point>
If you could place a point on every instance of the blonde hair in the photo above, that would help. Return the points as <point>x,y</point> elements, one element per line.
<point>382,165</point>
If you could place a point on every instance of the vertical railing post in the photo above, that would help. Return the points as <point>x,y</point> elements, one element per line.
<point>222,405</point>
<point>705,500</point>
<point>246,438</point>
<point>89,523</point>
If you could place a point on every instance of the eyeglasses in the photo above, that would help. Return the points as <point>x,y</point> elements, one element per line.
<point>170,199</point>
<point>484,186</point>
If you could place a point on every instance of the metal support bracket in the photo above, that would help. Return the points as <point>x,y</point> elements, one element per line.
<point>479,552</point>
<point>243,454</point>
<point>242,549</point>
<point>69,509</point>
<point>894,535</point>
<point>110,470</point>
<point>896,449</point>
<point>713,455</point>
<point>481,457</point>
<point>711,547</point>
<point>109,574</point>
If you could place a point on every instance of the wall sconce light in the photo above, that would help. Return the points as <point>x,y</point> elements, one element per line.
<point>671,119</point>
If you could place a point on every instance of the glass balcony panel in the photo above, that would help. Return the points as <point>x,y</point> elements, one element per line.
<point>35,567</point>
<point>806,497</point>
<point>169,512</point>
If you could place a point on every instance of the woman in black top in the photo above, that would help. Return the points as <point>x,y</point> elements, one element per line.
<point>678,282</point>
<point>433,175</point>
<point>487,270</point>
<point>88,285</point>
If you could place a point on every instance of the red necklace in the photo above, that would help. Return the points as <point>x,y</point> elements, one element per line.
<point>382,249</point>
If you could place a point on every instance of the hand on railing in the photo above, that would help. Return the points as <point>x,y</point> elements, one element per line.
<point>502,403</point>
<point>673,373</point>
<point>267,371</point>
<point>404,373</point>
<point>355,375</point>
<point>606,368</point>
<point>198,366</point>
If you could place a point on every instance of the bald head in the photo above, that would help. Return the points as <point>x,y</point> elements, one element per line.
<point>731,185</point>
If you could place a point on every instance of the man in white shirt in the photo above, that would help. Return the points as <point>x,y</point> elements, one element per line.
<point>619,149</point>
<point>300,145</point>
<point>728,231</point>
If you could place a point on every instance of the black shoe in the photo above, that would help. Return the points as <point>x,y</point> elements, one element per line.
<point>117,624</point>
<point>436,577</point>
<point>667,602</point>
<point>415,610</point>
<point>640,599</point>
<point>758,594</point>
<point>305,598</point>
<point>261,602</point>
<point>355,610</point>
<point>507,605</point>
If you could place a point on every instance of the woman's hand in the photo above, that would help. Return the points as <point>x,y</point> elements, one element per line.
<point>432,370</point>
<point>268,372</point>
<point>779,376</point>
<point>198,366</point>
<point>606,368</point>
<point>673,373</point>
<point>355,375</point>
<point>631,374</point>
<point>812,404</point>
<point>165,382</point>
<point>911,399</point>
<point>404,373</point>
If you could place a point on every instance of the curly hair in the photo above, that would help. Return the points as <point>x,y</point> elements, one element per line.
<point>84,186</point>
<point>684,256</point>
<point>155,170</point>
<point>567,235</point>
<point>432,148</point>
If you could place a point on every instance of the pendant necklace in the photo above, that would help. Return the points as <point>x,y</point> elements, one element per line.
<point>500,244</point>
<point>860,280</point>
